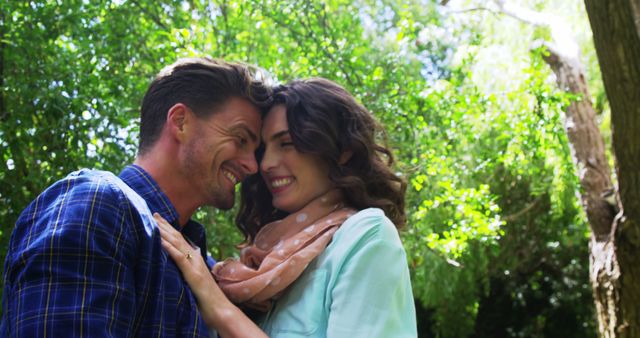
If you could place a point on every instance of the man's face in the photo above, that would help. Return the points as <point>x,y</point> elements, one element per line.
<point>218,152</point>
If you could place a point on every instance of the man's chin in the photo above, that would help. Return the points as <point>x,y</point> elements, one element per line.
<point>223,204</point>
<point>224,207</point>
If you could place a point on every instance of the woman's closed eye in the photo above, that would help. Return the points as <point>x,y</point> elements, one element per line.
<point>286,144</point>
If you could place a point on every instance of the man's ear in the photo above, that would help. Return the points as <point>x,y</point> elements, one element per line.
<point>177,118</point>
<point>345,156</point>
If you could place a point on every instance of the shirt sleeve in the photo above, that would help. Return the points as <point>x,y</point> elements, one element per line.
<point>372,295</point>
<point>69,271</point>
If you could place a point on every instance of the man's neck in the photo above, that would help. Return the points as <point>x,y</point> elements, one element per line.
<point>171,183</point>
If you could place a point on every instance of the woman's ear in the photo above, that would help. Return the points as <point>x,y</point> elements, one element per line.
<point>345,156</point>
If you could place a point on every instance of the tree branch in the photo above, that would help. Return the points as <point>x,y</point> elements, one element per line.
<point>525,210</point>
<point>475,9</point>
<point>561,34</point>
<point>153,16</point>
<point>582,130</point>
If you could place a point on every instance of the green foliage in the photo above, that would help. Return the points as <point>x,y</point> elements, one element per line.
<point>495,229</point>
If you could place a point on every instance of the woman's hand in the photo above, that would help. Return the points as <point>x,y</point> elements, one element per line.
<point>217,311</point>
<point>186,257</point>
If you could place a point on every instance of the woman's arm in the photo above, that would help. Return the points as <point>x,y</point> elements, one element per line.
<point>217,311</point>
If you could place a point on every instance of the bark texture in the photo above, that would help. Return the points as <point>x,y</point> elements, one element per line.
<point>586,142</point>
<point>580,123</point>
<point>615,223</point>
<point>615,262</point>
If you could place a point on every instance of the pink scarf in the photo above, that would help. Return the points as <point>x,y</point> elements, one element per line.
<point>281,251</point>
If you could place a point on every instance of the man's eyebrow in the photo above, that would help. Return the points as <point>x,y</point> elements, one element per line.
<point>252,136</point>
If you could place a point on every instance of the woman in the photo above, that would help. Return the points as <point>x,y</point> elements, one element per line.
<point>323,257</point>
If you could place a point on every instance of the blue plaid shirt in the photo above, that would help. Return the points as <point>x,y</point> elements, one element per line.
<point>85,260</point>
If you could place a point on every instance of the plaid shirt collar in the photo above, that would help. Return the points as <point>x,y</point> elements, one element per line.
<point>142,183</point>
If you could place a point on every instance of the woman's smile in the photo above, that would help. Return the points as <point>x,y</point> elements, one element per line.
<point>279,184</point>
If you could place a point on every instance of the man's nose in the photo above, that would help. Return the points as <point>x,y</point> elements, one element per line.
<point>249,164</point>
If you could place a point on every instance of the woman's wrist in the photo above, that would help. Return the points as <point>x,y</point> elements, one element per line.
<point>214,306</point>
<point>231,322</point>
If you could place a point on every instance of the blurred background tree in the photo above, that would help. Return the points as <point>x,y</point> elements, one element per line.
<point>497,241</point>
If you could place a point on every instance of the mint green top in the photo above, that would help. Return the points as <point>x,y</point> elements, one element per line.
<point>358,287</point>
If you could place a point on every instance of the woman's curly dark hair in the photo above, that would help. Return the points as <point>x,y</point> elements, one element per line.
<point>326,121</point>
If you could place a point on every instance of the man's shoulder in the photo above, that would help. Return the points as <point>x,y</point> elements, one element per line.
<point>86,189</point>
<point>92,175</point>
<point>82,202</point>
<point>93,184</point>
<point>86,183</point>
<point>81,189</point>
<point>82,198</point>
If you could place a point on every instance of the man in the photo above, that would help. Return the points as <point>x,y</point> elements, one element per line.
<point>85,258</point>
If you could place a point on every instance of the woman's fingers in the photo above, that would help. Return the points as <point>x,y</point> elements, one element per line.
<point>186,257</point>
<point>173,252</point>
<point>170,234</point>
<point>163,224</point>
<point>194,270</point>
<point>176,246</point>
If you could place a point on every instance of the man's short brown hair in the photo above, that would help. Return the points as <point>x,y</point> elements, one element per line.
<point>202,84</point>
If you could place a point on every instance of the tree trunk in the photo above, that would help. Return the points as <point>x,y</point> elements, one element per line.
<point>615,262</point>
<point>615,224</point>
<point>583,132</point>
<point>615,241</point>
<point>587,144</point>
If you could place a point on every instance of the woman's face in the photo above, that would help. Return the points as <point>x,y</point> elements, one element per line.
<point>293,178</point>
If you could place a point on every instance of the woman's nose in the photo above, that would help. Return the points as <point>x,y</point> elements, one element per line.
<point>268,161</point>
